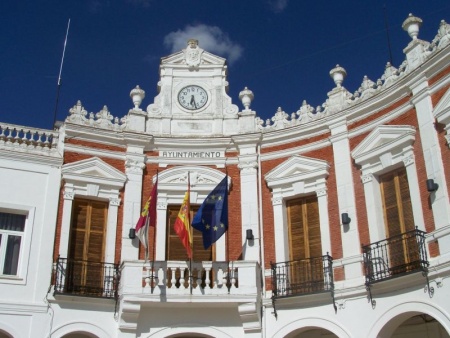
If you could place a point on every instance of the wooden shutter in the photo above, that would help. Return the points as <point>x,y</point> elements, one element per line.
<point>398,215</point>
<point>86,248</point>
<point>396,202</point>
<point>175,250</point>
<point>305,275</point>
<point>304,228</point>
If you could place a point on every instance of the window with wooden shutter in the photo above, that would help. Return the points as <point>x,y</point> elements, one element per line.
<point>175,250</point>
<point>86,245</point>
<point>306,273</point>
<point>398,216</point>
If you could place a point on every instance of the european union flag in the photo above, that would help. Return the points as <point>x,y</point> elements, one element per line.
<point>212,217</point>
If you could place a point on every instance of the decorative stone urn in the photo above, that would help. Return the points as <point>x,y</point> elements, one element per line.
<point>137,95</point>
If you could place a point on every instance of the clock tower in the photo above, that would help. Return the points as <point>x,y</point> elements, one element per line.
<point>192,99</point>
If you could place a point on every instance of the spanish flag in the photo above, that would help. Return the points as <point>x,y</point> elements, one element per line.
<point>182,225</point>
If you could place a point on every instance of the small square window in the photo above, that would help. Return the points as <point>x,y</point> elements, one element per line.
<point>12,230</point>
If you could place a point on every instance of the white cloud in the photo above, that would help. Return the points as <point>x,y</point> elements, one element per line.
<point>210,38</point>
<point>278,6</point>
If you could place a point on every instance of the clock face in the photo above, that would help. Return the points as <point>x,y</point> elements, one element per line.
<point>192,97</point>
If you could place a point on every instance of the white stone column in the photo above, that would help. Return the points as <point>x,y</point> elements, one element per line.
<point>249,205</point>
<point>134,166</point>
<point>374,209</point>
<point>346,197</point>
<point>322,201</point>
<point>281,237</point>
<point>110,246</point>
<point>434,166</point>
<point>248,165</point>
<point>65,225</point>
<point>161,228</point>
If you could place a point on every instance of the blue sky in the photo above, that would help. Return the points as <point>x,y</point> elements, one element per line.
<point>282,50</point>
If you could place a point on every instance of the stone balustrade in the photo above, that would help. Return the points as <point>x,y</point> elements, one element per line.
<point>26,138</point>
<point>172,278</point>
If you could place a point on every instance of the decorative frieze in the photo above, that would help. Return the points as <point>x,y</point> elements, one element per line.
<point>321,192</point>
<point>114,201</point>
<point>367,178</point>
<point>69,195</point>
<point>134,166</point>
<point>408,159</point>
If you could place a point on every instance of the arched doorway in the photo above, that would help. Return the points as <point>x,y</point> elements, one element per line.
<point>312,333</point>
<point>4,335</point>
<point>79,335</point>
<point>420,325</point>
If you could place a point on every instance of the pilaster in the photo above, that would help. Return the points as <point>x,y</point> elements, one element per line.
<point>248,165</point>
<point>434,166</point>
<point>346,195</point>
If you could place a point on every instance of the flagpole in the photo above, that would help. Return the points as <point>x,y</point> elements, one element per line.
<point>154,242</point>
<point>226,237</point>
<point>189,221</point>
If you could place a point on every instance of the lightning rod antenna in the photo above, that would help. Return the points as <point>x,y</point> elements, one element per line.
<point>59,76</point>
<point>387,34</point>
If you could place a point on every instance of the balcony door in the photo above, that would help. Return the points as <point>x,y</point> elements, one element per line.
<point>175,251</point>
<point>87,247</point>
<point>305,273</point>
<point>398,216</point>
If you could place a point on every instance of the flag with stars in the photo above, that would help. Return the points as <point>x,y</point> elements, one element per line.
<point>212,217</point>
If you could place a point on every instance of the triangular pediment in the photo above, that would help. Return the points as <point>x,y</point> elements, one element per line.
<point>92,170</point>
<point>179,58</point>
<point>442,110</point>
<point>297,168</point>
<point>384,139</point>
<point>198,176</point>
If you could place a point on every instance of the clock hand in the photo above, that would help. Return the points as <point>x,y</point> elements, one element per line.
<point>193,102</point>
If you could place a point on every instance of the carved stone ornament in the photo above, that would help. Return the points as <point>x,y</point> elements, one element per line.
<point>367,178</point>
<point>321,192</point>
<point>246,96</point>
<point>277,201</point>
<point>114,201</point>
<point>137,95</point>
<point>193,53</point>
<point>133,166</point>
<point>248,166</point>
<point>408,160</point>
<point>77,114</point>
<point>68,195</point>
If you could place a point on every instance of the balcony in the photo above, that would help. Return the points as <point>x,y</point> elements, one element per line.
<point>173,279</point>
<point>301,277</point>
<point>84,278</point>
<point>395,256</point>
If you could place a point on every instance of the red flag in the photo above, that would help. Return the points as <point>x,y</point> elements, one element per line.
<point>147,218</point>
<point>182,225</point>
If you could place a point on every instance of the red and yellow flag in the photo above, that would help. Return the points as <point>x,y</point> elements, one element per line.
<point>182,225</point>
<point>148,217</point>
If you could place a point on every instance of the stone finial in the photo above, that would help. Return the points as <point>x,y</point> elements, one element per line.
<point>412,25</point>
<point>338,74</point>
<point>192,43</point>
<point>246,96</point>
<point>137,95</point>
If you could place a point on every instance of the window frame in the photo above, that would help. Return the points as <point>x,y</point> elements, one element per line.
<point>298,177</point>
<point>25,247</point>
<point>172,185</point>
<point>387,148</point>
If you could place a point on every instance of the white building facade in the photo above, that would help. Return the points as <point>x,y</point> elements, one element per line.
<point>338,216</point>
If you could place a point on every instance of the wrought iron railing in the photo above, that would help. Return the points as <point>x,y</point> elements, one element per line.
<point>395,256</point>
<point>300,277</point>
<point>84,278</point>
